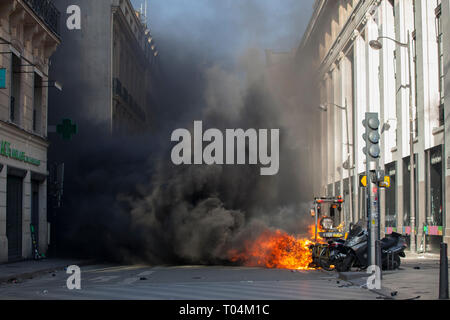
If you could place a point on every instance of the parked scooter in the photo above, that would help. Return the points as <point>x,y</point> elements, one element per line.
<point>353,253</point>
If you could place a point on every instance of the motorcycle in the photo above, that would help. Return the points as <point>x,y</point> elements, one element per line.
<point>353,253</point>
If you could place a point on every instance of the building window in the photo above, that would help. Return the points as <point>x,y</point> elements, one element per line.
<point>434,214</point>
<point>391,196</point>
<point>440,44</point>
<point>416,114</point>
<point>37,104</point>
<point>15,90</point>
<point>407,192</point>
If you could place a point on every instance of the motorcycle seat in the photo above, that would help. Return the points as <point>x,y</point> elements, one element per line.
<point>387,243</point>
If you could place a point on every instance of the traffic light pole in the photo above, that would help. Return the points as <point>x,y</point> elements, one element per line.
<point>372,152</point>
<point>373,214</point>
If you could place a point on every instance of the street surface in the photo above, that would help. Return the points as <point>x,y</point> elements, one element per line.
<point>418,278</point>
<point>139,282</point>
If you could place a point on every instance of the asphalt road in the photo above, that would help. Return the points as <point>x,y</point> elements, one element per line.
<point>139,282</point>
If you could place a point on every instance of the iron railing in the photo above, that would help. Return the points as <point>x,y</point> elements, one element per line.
<point>46,10</point>
<point>122,92</point>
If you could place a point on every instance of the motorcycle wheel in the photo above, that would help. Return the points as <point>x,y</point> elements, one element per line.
<point>396,263</point>
<point>345,264</point>
<point>324,260</point>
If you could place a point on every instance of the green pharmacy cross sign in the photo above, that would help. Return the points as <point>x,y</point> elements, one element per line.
<point>67,129</point>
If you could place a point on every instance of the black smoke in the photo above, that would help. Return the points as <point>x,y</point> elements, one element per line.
<point>125,201</point>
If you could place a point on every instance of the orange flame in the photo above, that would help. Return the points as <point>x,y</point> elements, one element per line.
<point>312,233</point>
<point>275,249</point>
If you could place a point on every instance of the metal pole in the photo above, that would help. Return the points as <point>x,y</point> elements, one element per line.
<point>411,142</point>
<point>373,213</point>
<point>443,273</point>
<point>379,262</point>
<point>315,219</point>
<point>350,165</point>
<point>370,250</point>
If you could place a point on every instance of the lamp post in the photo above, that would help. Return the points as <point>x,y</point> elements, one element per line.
<point>377,45</point>
<point>350,165</point>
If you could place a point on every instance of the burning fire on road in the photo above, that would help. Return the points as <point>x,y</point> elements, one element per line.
<point>276,249</point>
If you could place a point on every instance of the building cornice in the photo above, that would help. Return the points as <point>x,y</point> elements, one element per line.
<point>356,22</point>
<point>23,135</point>
<point>318,10</point>
<point>135,41</point>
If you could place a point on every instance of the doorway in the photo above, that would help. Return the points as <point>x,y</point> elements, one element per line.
<point>14,194</point>
<point>35,209</point>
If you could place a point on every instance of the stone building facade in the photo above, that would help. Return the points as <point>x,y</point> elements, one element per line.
<point>351,73</point>
<point>28,38</point>
<point>110,60</point>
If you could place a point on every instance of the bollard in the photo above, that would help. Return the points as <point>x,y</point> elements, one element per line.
<point>443,273</point>
<point>378,260</point>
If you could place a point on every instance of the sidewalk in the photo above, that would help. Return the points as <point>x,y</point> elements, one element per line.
<point>417,278</point>
<point>30,268</point>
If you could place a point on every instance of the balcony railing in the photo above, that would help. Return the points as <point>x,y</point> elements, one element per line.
<point>46,10</point>
<point>122,92</point>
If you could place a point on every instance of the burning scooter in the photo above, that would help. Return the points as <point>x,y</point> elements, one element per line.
<point>328,228</point>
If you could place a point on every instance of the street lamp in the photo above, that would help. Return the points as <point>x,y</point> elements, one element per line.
<point>387,126</point>
<point>377,45</point>
<point>349,166</point>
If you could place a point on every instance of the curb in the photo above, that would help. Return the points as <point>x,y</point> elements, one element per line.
<point>33,274</point>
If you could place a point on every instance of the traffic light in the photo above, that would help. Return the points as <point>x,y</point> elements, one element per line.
<point>372,136</point>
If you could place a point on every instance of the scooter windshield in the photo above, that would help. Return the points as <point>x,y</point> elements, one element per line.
<point>356,229</point>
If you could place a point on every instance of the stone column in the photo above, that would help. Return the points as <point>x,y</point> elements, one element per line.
<point>330,141</point>
<point>43,226</point>
<point>403,24</point>
<point>324,140</point>
<point>387,82</point>
<point>387,97</point>
<point>3,239</point>
<point>337,120</point>
<point>359,76</point>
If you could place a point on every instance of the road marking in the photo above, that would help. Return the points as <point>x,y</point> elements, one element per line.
<point>104,279</point>
<point>145,273</point>
<point>128,281</point>
<point>118,268</point>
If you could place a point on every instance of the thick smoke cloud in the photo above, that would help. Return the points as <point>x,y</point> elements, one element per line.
<point>124,199</point>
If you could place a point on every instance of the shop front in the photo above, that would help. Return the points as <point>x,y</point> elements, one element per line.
<point>434,214</point>
<point>22,194</point>
<point>407,197</point>
<point>391,199</point>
